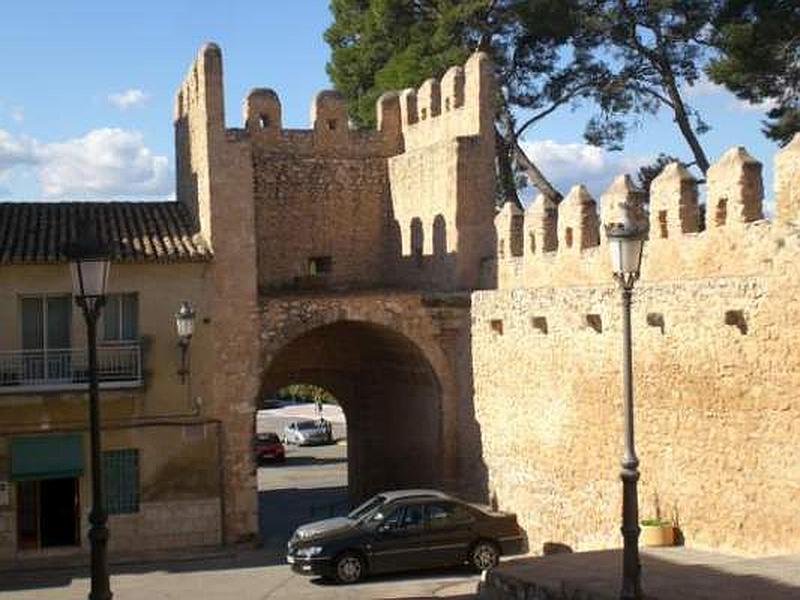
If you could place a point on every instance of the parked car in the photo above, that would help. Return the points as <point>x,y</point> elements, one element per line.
<point>268,446</point>
<point>304,433</point>
<point>404,530</point>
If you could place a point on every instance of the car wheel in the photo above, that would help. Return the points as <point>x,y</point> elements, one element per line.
<point>350,568</point>
<point>484,555</point>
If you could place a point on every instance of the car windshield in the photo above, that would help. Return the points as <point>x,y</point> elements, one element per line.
<point>307,425</point>
<point>366,509</point>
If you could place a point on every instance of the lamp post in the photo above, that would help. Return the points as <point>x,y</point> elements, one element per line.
<point>90,263</point>
<point>184,323</point>
<point>626,241</point>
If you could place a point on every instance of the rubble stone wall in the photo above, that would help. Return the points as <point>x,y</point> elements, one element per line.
<point>716,370</point>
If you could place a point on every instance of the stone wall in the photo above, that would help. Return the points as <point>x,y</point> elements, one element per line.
<point>442,186</point>
<point>163,525</point>
<point>215,179</point>
<point>311,207</point>
<point>396,363</point>
<point>715,365</point>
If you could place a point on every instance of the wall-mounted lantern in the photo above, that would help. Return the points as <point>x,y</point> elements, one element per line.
<point>184,323</point>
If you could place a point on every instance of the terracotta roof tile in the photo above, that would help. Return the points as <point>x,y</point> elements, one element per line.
<point>37,232</point>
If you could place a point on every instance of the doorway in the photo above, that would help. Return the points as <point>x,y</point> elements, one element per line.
<point>48,513</point>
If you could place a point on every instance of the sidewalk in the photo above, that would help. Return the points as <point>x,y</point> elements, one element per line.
<point>667,573</point>
<point>80,560</point>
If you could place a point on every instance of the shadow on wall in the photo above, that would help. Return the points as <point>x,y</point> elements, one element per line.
<point>431,266</point>
<point>186,178</point>
<point>474,485</point>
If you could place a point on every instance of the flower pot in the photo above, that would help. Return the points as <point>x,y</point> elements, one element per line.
<point>657,535</point>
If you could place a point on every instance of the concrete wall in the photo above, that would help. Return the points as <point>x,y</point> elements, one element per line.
<point>160,289</point>
<point>179,487</point>
<point>715,364</point>
<point>177,469</point>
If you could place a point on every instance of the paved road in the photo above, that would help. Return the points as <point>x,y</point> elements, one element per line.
<point>249,576</point>
<point>311,484</point>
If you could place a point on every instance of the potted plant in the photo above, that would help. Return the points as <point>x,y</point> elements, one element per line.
<point>657,532</point>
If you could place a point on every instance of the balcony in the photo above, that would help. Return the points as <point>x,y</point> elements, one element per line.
<point>26,371</point>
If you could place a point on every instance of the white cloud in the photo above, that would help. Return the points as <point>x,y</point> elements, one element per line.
<point>703,87</point>
<point>566,165</point>
<point>104,162</point>
<point>18,114</point>
<point>745,106</point>
<point>129,98</point>
<point>16,151</point>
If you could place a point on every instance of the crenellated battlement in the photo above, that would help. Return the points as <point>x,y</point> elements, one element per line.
<point>460,104</point>
<point>554,245</point>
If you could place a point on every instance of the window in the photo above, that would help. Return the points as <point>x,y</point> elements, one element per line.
<point>412,518</point>
<point>405,517</point>
<point>45,322</point>
<point>319,265</point>
<point>121,318</point>
<point>121,479</point>
<point>662,224</point>
<point>45,331</point>
<point>447,514</point>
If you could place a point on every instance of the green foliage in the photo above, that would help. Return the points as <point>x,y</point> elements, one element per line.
<point>656,522</point>
<point>627,58</point>
<point>305,392</point>
<point>381,45</point>
<point>760,59</point>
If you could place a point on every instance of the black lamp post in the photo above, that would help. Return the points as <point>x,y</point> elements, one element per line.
<point>90,262</point>
<point>626,241</point>
<point>184,323</point>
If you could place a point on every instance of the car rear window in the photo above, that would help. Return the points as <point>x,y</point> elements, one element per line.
<point>268,437</point>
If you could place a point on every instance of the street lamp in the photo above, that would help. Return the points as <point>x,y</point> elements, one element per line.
<point>184,323</point>
<point>625,242</point>
<point>90,262</point>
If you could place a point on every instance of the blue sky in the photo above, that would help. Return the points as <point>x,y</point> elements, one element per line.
<point>86,100</point>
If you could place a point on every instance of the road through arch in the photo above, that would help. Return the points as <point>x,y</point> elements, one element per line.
<point>390,394</point>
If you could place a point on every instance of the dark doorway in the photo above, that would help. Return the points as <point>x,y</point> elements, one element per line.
<point>48,513</point>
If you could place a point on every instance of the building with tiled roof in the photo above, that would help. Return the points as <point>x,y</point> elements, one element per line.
<point>38,232</point>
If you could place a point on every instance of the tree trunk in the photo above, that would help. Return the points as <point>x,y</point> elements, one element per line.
<point>507,191</point>
<point>682,119</point>
<point>535,176</point>
<point>532,172</point>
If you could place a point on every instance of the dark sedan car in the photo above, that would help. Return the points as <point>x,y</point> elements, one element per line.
<point>404,530</point>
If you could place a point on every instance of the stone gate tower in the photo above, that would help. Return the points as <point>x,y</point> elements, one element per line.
<point>328,226</point>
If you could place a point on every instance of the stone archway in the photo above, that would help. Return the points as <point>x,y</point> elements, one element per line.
<point>390,393</point>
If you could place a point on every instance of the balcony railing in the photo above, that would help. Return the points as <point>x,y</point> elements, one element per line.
<point>119,365</point>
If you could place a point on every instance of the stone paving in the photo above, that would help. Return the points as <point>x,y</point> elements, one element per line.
<point>243,575</point>
<point>667,573</point>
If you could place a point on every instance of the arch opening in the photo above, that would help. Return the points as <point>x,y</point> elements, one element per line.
<point>388,391</point>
